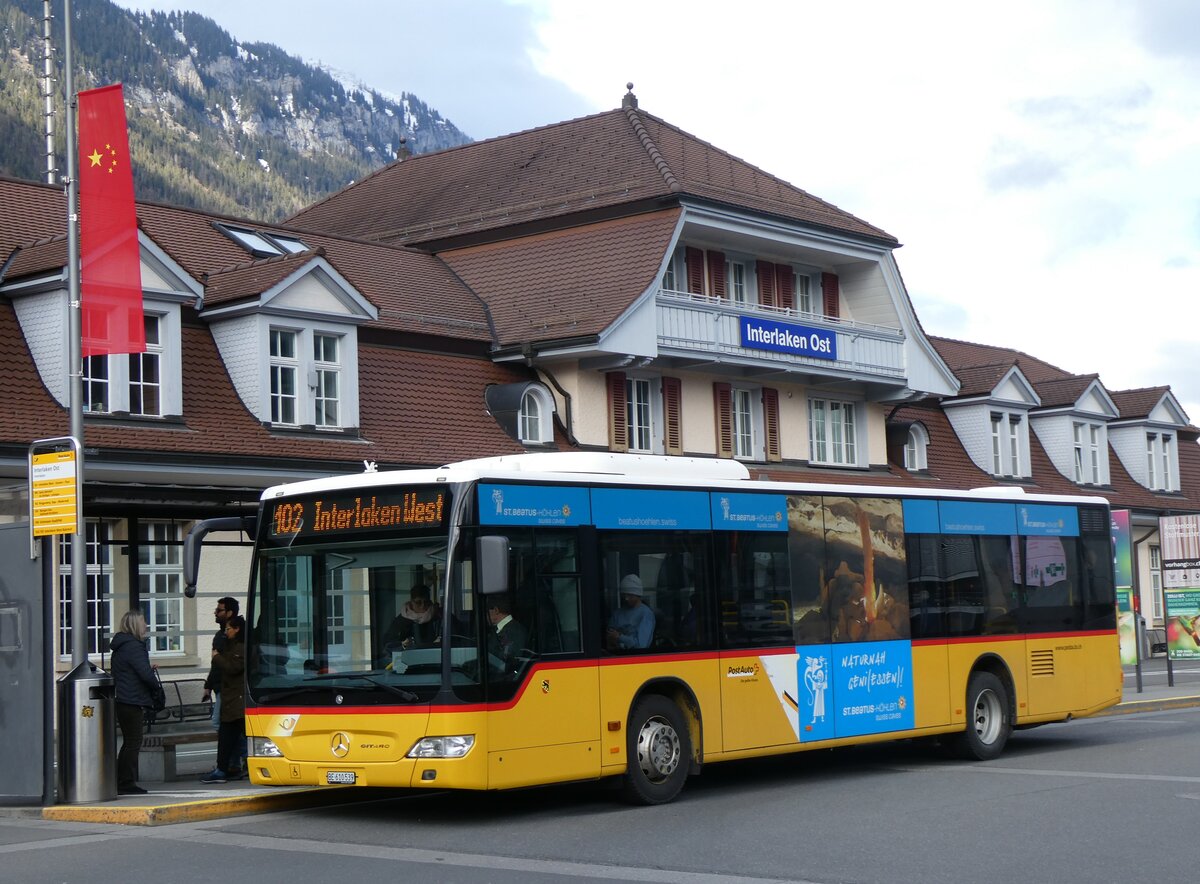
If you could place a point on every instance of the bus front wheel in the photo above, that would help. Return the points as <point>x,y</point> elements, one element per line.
<point>659,751</point>
<point>988,719</point>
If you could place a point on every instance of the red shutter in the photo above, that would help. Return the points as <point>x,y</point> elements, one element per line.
<point>770,400</point>
<point>716,274</point>
<point>786,280</point>
<point>723,408</point>
<point>829,294</point>
<point>694,259</point>
<point>672,389</point>
<point>766,284</point>
<point>618,417</point>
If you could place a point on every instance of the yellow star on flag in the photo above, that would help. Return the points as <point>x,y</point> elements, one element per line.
<point>95,157</point>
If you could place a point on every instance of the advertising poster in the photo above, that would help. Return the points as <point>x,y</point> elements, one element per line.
<point>1123,568</point>
<point>1180,539</point>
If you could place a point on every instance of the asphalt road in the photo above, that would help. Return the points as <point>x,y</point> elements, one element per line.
<point>1105,799</point>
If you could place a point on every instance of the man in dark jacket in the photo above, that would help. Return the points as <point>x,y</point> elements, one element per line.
<point>226,607</point>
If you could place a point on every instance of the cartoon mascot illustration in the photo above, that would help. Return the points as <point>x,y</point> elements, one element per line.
<point>816,680</point>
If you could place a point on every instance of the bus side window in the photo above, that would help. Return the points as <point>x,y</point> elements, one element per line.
<point>754,574</point>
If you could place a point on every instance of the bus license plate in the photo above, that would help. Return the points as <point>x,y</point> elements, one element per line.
<point>339,777</point>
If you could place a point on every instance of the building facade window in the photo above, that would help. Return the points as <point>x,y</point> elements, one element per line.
<point>916,456</point>
<point>99,577</point>
<point>1006,444</point>
<point>1160,461</point>
<point>832,433</point>
<point>743,424</point>
<point>739,292</point>
<point>1156,599</point>
<point>160,584</point>
<point>1087,453</point>
<point>327,368</point>
<point>284,367</point>
<point>535,419</point>
<point>804,293</point>
<point>95,384</point>
<point>638,413</point>
<point>145,372</point>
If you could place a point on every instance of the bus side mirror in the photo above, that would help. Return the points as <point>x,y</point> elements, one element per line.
<point>191,544</point>
<point>491,560</point>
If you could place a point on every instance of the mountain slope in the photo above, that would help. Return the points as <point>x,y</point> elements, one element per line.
<point>235,128</point>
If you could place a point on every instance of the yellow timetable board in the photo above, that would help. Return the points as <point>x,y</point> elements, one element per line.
<point>54,492</point>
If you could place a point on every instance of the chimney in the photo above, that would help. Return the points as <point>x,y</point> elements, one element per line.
<point>630,100</point>
<point>403,153</point>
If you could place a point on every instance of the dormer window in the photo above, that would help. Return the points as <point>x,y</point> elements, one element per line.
<point>327,368</point>
<point>1006,444</point>
<point>916,453</point>
<point>136,384</point>
<point>1087,453</point>
<point>283,377</point>
<point>1160,461</point>
<point>535,419</point>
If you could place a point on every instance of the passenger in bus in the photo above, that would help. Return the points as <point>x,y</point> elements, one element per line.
<point>508,638</point>
<point>418,622</point>
<point>631,626</point>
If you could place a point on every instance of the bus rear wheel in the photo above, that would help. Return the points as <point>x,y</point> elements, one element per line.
<point>659,751</point>
<point>988,721</point>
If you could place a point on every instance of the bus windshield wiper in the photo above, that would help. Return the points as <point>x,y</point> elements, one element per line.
<point>406,696</point>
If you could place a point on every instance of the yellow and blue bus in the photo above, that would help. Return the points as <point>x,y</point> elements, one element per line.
<point>557,617</point>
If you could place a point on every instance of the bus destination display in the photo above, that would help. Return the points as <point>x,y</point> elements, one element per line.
<point>343,514</point>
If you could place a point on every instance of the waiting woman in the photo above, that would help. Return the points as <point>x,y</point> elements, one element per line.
<point>231,735</point>
<point>135,686</point>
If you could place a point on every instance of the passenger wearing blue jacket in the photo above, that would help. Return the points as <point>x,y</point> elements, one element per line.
<point>135,686</point>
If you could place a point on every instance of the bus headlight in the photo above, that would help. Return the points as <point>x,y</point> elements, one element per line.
<point>442,747</point>
<point>261,747</point>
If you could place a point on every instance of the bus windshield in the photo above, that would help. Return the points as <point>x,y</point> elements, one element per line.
<point>365,617</point>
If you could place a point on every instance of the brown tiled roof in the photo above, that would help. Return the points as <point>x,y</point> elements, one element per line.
<point>981,379</point>
<point>252,279</point>
<point>1138,403</point>
<point>568,283</point>
<point>417,409</point>
<point>959,355</point>
<point>44,256</point>
<point>602,161</point>
<point>1065,391</point>
<point>413,291</point>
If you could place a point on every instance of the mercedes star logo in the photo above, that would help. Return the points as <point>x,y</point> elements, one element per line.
<point>340,745</point>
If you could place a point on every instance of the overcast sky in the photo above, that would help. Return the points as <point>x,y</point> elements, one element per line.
<point>1039,159</point>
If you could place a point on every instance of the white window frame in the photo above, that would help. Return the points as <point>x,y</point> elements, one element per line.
<point>327,372</point>
<point>916,449</point>
<point>535,419</point>
<point>804,287</point>
<point>1008,443</point>
<point>97,534</point>
<point>160,585</point>
<point>1161,461</point>
<point>119,385</point>
<point>1086,438</point>
<point>153,355</point>
<point>281,366</point>
<point>1156,599</point>
<point>745,414</point>
<point>833,432</point>
<point>737,283</point>
<point>639,414</point>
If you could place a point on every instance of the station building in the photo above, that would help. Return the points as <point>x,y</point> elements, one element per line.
<point>610,283</point>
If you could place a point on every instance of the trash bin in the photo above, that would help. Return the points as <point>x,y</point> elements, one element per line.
<point>87,736</point>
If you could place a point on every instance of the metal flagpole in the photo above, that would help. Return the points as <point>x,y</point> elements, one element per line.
<point>79,621</point>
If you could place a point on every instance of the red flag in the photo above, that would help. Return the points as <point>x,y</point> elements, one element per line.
<point>110,273</point>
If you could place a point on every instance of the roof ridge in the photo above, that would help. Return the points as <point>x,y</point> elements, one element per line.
<point>833,207</point>
<point>652,150</point>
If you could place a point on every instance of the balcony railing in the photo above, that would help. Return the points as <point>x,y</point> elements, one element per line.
<point>698,325</point>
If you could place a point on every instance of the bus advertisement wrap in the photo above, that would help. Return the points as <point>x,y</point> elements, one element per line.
<point>854,689</point>
<point>534,505</point>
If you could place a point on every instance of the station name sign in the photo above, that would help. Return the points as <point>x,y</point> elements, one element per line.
<point>346,513</point>
<point>788,337</point>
